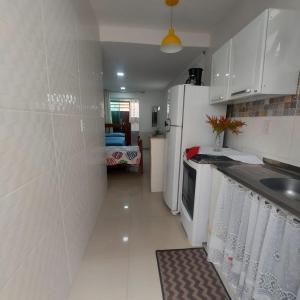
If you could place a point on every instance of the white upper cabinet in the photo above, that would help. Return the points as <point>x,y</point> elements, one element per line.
<point>220,73</point>
<point>264,58</point>
<point>247,53</point>
<point>282,52</point>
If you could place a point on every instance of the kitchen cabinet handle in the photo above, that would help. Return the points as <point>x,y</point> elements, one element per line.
<point>246,91</point>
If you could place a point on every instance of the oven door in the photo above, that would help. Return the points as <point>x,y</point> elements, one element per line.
<point>188,188</point>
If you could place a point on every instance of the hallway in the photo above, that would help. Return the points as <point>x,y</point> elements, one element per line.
<point>114,268</point>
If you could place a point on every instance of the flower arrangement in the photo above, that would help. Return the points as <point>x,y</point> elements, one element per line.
<point>220,124</point>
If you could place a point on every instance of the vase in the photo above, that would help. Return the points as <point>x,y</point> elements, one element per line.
<point>218,142</point>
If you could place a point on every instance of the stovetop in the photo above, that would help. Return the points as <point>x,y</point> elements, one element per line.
<point>207,159</point>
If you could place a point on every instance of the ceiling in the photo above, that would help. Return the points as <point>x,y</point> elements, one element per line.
<point>145,67</point>
<point>189,15</point>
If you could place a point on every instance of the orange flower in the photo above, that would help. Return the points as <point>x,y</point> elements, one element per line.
<point>235,126</point>
<point>220,124</point>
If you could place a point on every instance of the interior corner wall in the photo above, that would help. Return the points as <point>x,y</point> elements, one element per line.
<point>53,173</point>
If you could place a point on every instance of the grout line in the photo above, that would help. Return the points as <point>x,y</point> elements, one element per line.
<point>4,109</point>
<point>57,179</point>
<point>129,246</point>
<point>31,180</point>
<point>20,266</point>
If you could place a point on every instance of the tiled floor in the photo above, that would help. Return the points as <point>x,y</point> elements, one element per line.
<point>116,269</point>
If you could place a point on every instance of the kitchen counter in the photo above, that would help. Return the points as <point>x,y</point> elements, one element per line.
<point>250,176</point>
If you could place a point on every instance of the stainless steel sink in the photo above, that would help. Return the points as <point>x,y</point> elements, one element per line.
<point>287,186</point>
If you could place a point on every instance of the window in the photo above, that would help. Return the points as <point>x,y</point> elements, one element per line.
<point>119,111</point>
<point>119,106</point>
<point>125,110</point>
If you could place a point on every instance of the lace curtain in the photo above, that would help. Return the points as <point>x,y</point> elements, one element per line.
<point>107,107</point>
<point>255,245</point>
<point>134,114</point>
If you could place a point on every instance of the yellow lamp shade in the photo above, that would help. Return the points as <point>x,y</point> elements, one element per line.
<point>171,43</point>
<point>171,2</point>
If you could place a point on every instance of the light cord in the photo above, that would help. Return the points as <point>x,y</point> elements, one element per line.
<point>171,17</point>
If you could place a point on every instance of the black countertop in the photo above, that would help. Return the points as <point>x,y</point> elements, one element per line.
<point>250,176</point>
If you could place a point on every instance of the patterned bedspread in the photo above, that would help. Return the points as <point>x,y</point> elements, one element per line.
<point>117,155</point>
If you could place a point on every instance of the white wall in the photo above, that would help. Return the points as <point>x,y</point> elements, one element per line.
<point>272,137</point>
<point>52,175</point>
<point>147,100</point>
<point>198,62</point>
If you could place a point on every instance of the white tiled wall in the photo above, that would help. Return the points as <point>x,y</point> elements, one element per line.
<point>272,137</point>
<point>52,173</point>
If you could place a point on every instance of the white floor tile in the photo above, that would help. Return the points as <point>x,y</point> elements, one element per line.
<point>116,269</point>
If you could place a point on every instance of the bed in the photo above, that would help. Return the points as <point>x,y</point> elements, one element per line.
<point>115,139</point>
<point>125,155</point>
<point>118,134</point>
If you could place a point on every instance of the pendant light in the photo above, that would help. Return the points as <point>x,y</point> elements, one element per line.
<point>171,42</point>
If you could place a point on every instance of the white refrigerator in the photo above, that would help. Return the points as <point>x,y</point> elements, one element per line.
<point>186,126</point>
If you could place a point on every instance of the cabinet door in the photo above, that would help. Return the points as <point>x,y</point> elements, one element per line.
<point>220,73</point>
<point>282,55</point>
<point>247,56</point>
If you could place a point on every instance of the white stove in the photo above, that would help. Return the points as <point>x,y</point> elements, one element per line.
<point>195,189</point>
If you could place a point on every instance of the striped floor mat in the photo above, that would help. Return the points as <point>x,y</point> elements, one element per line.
<point>185,274</point>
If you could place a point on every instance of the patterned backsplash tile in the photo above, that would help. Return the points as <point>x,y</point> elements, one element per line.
<point>279,106</point>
